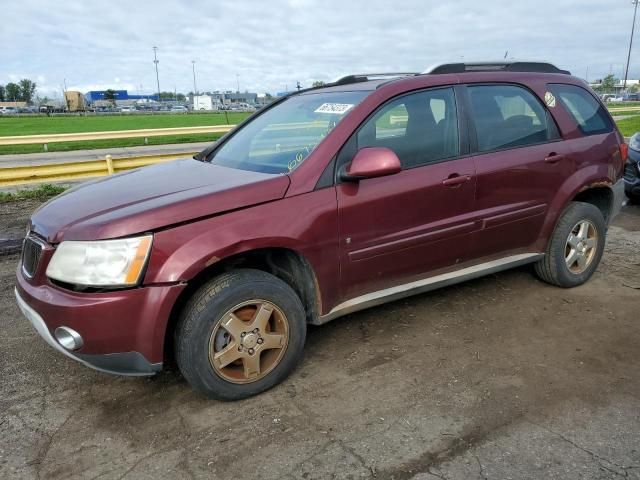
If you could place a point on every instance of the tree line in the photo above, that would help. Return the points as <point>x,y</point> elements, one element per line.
<point>23,91</point>
<point>608,84</point>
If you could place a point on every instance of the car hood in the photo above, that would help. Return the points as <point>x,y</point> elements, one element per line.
<point>150,198</point>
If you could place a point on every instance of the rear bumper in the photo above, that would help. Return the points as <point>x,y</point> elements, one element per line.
<point>122,332</point>
<point>618,198</point>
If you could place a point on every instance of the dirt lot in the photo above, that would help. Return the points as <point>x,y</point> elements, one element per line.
<point>502,377</point>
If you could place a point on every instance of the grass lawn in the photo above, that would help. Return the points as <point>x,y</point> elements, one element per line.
<point>121,142</point>
<point>41,192</point>
<point>629,126</point>
<point>50,125</point>
<point>622,104</point>
<point>47,125</point>
<point>625,112</point>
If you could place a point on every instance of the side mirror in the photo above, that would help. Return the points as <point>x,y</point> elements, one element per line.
<point>371,162</point>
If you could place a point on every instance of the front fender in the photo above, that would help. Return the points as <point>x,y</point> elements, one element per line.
<point>306,224</point>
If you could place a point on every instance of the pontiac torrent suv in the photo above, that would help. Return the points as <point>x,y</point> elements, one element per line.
<point>328,201</point>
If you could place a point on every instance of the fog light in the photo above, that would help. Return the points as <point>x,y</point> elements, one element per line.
<point>68,338</point>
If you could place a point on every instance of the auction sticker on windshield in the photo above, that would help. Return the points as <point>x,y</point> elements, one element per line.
<point>337,108</point>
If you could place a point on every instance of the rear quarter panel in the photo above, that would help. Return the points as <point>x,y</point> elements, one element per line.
<point>595,158</point>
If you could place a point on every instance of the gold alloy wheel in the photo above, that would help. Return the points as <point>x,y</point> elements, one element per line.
<point>581,246</point>
<point>249,341</point>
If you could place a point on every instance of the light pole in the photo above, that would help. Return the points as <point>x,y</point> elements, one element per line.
<point>195,89</point>
<point>626,71</point>
<point>238,82</point>
<point>156,61</point>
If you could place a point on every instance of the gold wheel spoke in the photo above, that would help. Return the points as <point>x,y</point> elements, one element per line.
<point>251,365</point>
<point>227,355</point>
<point>234,326</point>
<point>273,340</point>
<point>261,318</point>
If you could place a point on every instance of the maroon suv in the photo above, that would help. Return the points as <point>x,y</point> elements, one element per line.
<point>328,201</point>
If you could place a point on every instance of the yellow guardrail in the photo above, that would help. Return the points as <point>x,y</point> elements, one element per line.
<point>109,135</point>
<point>59,172</point>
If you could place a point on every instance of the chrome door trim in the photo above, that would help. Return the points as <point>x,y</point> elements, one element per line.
<point>431,283</point>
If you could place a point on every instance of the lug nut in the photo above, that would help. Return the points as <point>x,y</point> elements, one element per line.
<point>255,330</point>
<point>242,334</point>
<point>251,351</point>
<point>240,348</point>
<point>260,340</point>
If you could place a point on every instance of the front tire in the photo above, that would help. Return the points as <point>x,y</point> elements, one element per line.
<point>241,333</point>
<point>575,247</point>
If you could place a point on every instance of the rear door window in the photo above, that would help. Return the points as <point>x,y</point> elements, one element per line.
<point>508,116</point>
<point>587,112</point>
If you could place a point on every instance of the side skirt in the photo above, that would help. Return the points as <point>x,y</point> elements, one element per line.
<point>425,285</point>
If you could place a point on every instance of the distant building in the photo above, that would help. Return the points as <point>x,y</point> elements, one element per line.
<point>245,97</point>
<point>618,87</point>
<point>96,95</point>
<point>13,104</point>
<point>228,98</point>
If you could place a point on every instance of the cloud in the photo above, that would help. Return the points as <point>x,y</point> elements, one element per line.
<point>272,45</point>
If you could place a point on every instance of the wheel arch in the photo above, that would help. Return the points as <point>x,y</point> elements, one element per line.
<point>284,263</point>
<point>590,185</point>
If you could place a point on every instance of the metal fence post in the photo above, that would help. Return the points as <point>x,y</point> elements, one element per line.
<point>109,164</point>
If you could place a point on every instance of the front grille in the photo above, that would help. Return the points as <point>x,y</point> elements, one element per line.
<point>31,253</point>
<point>629,172</point>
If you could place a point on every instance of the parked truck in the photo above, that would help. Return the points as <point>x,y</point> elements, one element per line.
<point>75,101</point>
<point>202,102</point>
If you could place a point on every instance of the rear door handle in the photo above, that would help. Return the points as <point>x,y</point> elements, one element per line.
<point>553,158</point>
<point>455,180</point>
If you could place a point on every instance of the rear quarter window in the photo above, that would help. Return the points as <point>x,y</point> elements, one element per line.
<point>589,114</point>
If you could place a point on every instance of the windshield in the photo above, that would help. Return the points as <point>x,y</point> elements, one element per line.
<point>282,137</point>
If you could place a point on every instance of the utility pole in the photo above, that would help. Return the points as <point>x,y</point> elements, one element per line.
<point>298,87</point>
<point>237,83</point>
<point>626,71</point>
<point>195,89</point>
<point>156,61</point>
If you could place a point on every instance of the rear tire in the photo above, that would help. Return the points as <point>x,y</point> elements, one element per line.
<point>575,247</point>
<point>635,199</point>
<point>240,334</point>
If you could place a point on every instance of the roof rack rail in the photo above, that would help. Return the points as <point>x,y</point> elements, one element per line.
<point>520,66</point>
<point>364,77</point>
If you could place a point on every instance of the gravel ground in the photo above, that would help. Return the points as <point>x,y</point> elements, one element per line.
<point>501,377</point>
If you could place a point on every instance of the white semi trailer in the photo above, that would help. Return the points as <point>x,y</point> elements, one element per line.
<point>202,102</point>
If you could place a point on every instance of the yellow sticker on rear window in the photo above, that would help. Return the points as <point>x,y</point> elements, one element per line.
<point>549,99</point>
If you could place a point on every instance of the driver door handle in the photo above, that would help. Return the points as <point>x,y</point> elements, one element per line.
<point>455,180</point>
<point>553,158</point>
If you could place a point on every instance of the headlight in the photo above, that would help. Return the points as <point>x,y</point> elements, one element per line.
<point>102,263</point>
<point>634,142</point>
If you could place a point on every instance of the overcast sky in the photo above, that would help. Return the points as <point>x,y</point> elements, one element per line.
<point>271,44</point>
